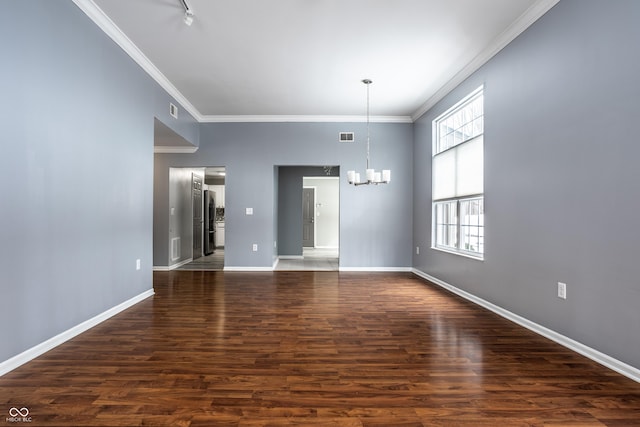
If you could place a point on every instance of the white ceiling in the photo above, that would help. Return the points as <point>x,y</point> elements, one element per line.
<point>287,60</point>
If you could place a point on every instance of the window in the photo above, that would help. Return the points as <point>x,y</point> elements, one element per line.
<point>458,177</point>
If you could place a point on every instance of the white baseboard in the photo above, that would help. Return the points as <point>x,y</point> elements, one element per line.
<point>595,355</point>
<point>172,266</point>
<point>180,264</point>
<point>298,257</point>
<point>33,352</point>
<point>232,268</point>
<point>378,269</point>
<point>346,269</point>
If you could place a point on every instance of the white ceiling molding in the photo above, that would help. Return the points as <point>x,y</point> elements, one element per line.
<point>158,149</point>
<point>514,30</point>
<point>111,29</point>
<point>105,23</point>
<point>305,119</point>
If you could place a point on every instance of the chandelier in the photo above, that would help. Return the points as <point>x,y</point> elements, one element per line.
<point>372,177</point>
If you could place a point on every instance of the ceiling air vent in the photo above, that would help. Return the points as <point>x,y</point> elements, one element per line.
<point>173,110</point>
<point>346,137</point>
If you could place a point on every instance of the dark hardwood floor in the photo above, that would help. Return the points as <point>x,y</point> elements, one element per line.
<point>317,349</point>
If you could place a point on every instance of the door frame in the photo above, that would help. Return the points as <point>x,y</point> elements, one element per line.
<point>194,179</point>
<point>315,230</point>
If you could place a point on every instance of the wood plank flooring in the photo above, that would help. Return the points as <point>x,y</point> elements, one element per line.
<point>313,349</point>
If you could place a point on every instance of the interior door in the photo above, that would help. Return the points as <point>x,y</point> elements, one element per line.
<point>308,213</point>
<point>196,195</point>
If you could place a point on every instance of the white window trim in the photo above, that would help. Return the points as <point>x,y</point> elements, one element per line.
<point>435,141</point>
<point>461,252</point>
<point>434,138</point>
<point>448,249</point>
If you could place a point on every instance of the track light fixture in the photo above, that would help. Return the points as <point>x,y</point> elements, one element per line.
<point>188,13</point>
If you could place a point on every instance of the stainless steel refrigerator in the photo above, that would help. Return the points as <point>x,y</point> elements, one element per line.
<point>209,222</point>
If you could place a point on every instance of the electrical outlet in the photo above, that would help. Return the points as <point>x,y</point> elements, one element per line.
<point>562,290</point>
<point>417,250</point>
<point>138,264</point>
<point>255,247</point>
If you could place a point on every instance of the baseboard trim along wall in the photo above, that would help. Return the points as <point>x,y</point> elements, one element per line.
<point>231,268</point>
<point>173,266</point>
<point>378,269</point>
<point>595,355</point>
<point>33,352</point>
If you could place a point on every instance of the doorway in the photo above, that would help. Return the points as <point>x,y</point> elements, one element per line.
<point>211,233</point>
<point>308,218</point>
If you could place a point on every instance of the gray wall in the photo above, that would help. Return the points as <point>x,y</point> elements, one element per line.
<point>561,177</point>
<point>179,130</point>
<point>161,214</point>
<point>76,172</point>
<point>375,223</point>
<point>275,212</point>
<point>185,127</point>
<point>289,206</point>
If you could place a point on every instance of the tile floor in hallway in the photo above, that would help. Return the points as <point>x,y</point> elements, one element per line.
<point>213,262</point>
<point>313,259</point>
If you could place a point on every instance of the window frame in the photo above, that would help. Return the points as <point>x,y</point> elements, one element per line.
<point>457,249</point>
<point>436,148</point>
<point>439,145</point>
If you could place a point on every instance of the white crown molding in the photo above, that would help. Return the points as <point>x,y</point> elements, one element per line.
<point>105,23</point>
<point>174,150</point>
<point>111,29</point>
<point>33,352</point>
<point>525,20</point>
<point>595,355</point>
<point>304,119</point>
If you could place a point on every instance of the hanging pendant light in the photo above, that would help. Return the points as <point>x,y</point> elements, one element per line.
<point>372,177</point>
